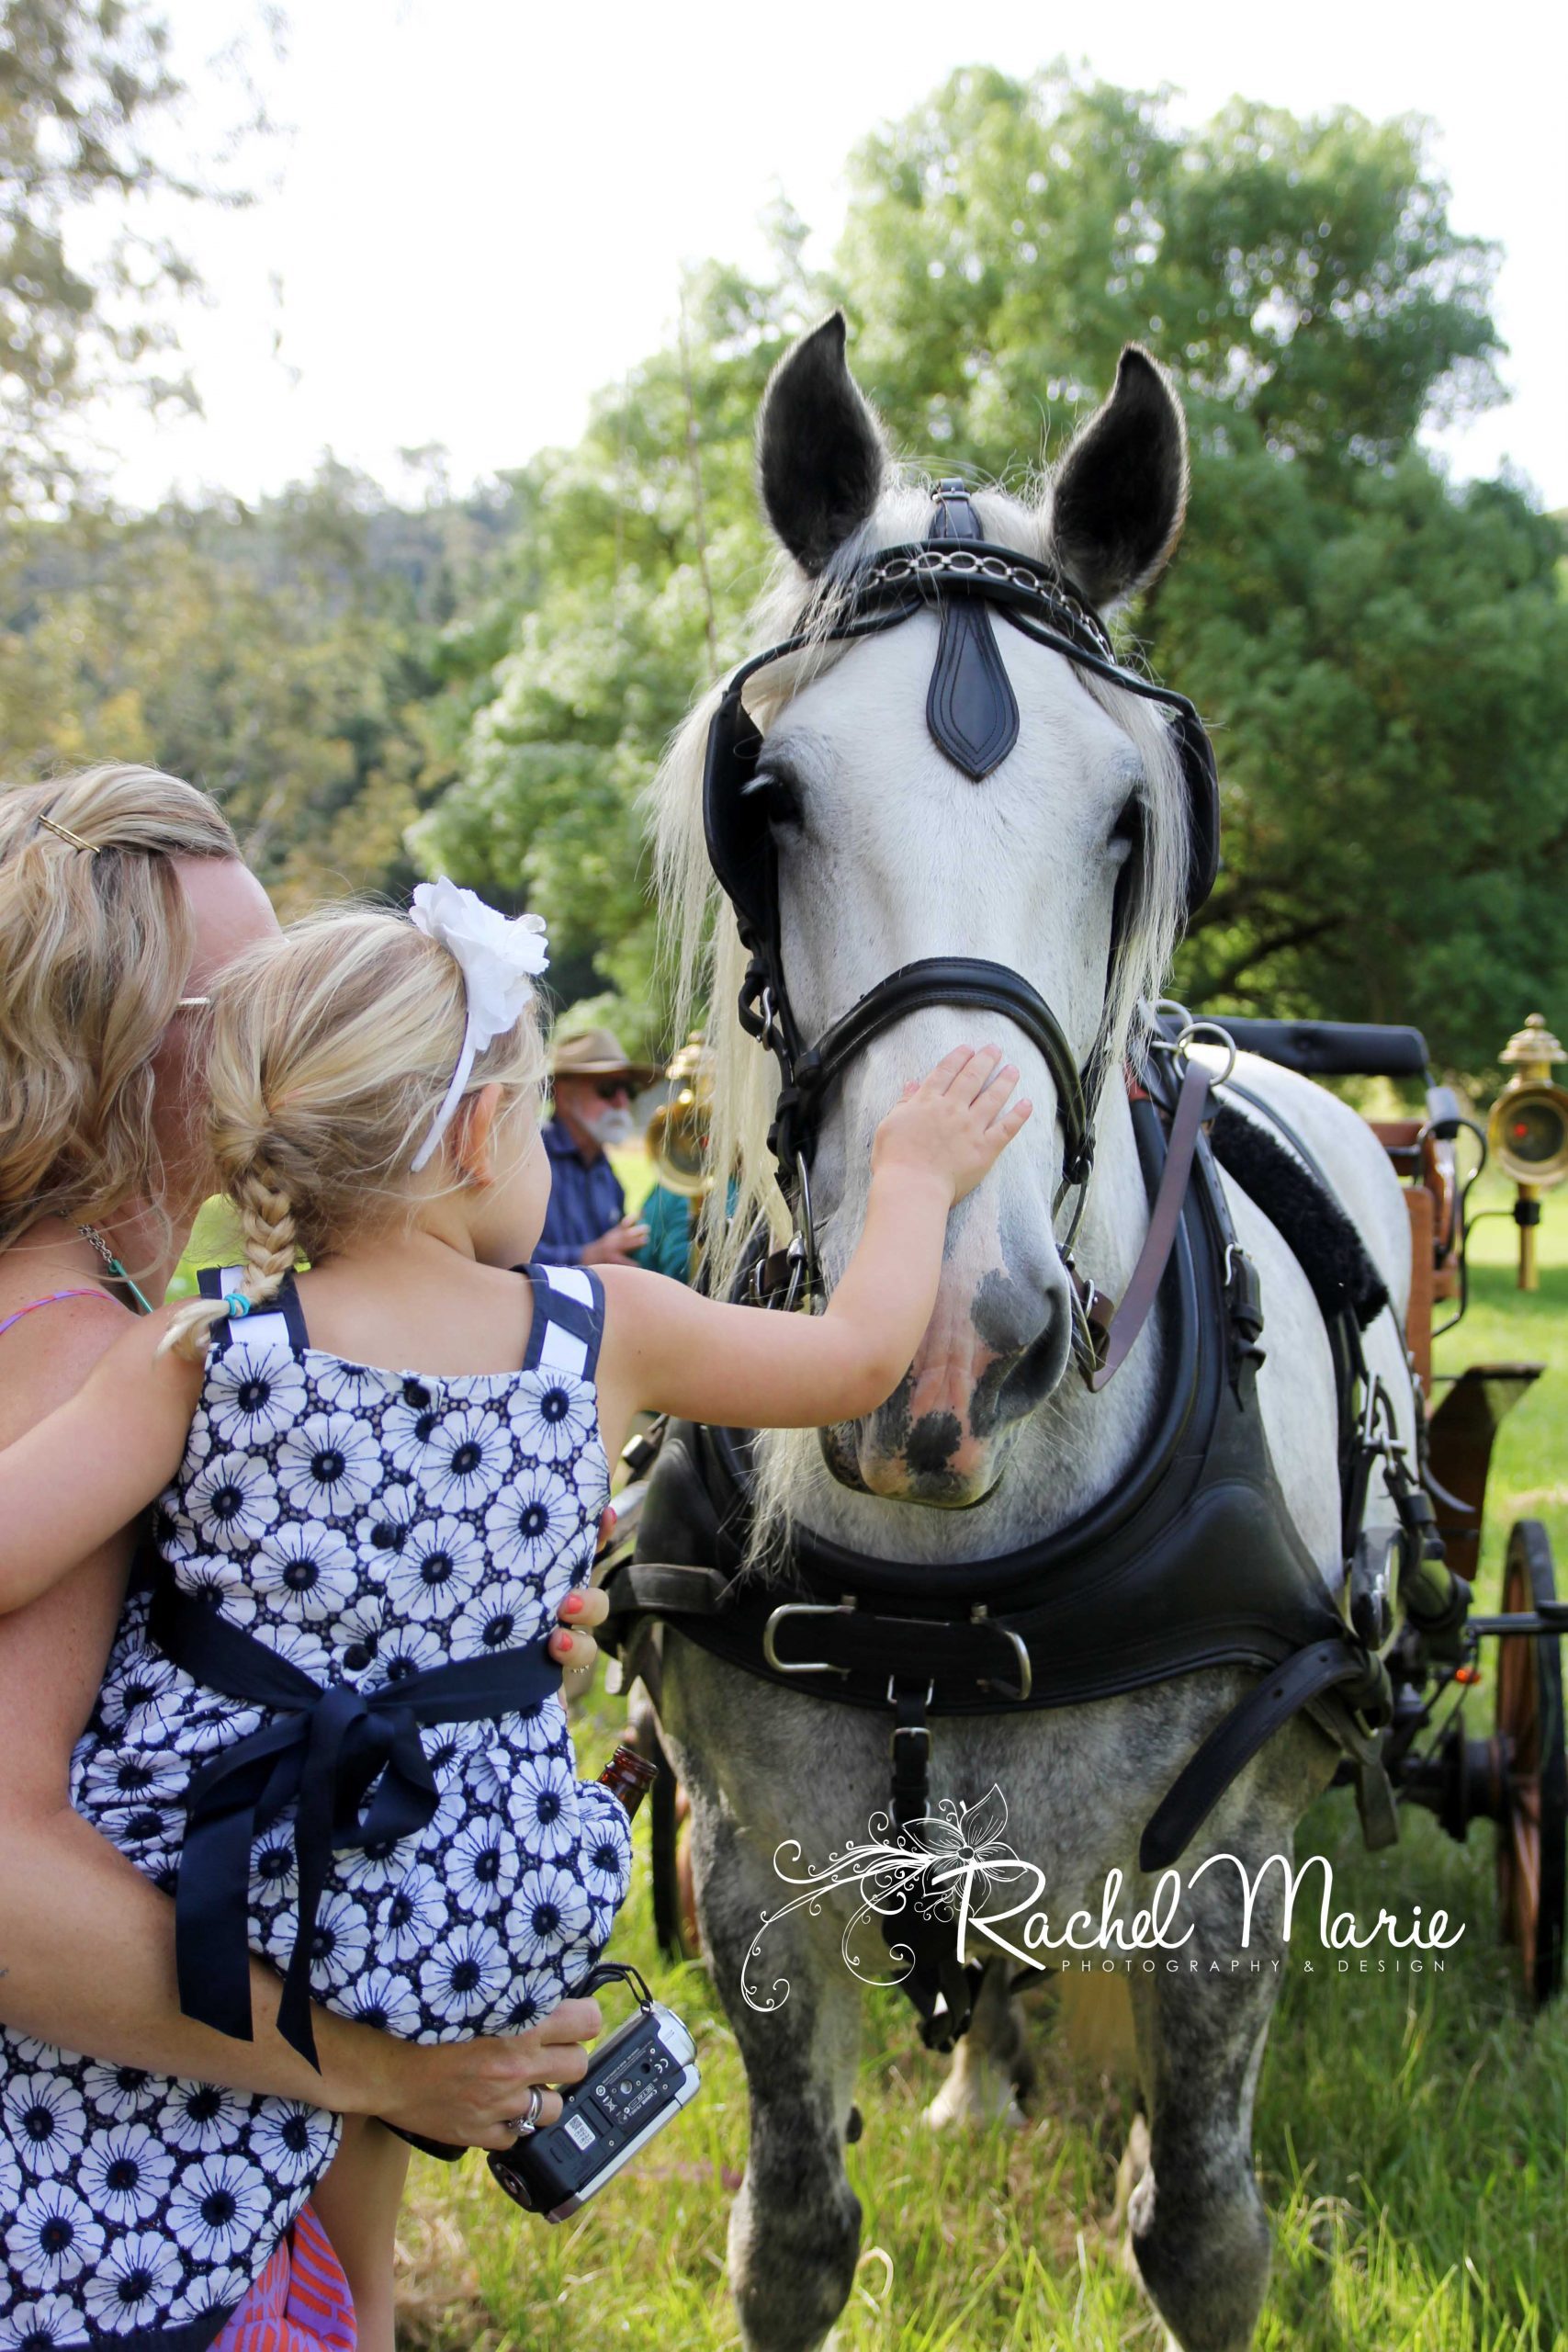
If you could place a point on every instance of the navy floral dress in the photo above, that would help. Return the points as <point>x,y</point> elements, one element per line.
<point>364,1527</point>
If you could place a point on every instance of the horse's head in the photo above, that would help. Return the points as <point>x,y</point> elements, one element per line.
<point>888,851</point>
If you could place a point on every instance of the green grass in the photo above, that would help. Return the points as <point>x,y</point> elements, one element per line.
<point>1410,2133</point>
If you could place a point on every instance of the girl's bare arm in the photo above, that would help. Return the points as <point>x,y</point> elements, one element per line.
<point>74,1477</point>
<point>669,1348</point>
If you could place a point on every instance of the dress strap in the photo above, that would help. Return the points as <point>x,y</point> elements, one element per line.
<point>277,1328</point>
<point>50,1299</point>
<point>568,1320</point>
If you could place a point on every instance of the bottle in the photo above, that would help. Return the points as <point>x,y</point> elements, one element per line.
<point>630,1775</point>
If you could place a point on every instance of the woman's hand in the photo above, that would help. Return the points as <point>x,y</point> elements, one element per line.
<point>574,1646</point>
<point>952,1125</point>
<point>470,2093</point>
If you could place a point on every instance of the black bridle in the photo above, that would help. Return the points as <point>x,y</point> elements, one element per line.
<point>972,717</point>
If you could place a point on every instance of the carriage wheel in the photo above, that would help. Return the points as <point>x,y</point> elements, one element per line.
<point>1532,1830</point>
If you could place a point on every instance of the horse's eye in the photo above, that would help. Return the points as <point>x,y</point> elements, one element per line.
<point>1128,830</point>
<point>779,798</point>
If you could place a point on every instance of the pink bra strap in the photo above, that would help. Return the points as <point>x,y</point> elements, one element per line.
<point>49,1299</point>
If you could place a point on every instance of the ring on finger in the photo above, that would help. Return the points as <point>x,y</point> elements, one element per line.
<point>522,2126</point>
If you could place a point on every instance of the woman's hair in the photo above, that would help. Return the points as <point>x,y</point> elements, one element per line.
<point>331,1051</point>
<point>95,939</point>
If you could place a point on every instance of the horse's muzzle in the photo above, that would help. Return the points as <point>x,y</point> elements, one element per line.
<point>942,1436</point>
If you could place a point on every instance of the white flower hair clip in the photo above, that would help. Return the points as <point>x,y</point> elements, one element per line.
<point>501,957</point>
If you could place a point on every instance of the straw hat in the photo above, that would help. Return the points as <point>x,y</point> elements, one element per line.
<point>598,1053</point>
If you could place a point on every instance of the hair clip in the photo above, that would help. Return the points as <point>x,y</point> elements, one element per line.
<point>236,1302</point>
<point>64,834</point>
<point>191,1003</point>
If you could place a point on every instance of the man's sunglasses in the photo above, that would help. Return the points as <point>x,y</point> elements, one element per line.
<point>608,1088</point>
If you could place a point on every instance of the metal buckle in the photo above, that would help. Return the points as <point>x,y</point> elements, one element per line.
<point>899,1729</point>
<point>802,1609</point>
<point>920,1732</point>
<point>1215,1031</point>
<point>1025,1664</point>
<point>796,1285</point>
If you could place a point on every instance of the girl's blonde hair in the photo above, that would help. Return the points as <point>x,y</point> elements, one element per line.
<point>331,1050</point>
<point>95,941</point>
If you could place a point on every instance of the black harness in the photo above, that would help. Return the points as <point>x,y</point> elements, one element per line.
<point>972,714</point>
<point>1192,1562</point>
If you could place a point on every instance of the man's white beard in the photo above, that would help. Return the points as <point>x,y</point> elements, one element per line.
<point>611,1125</point>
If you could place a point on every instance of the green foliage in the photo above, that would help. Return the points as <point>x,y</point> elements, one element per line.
<point>1388,673</point>
<point>1008,237</point>
<point>1379,657</point>
<point>638,556</point>
<point>281,657</point>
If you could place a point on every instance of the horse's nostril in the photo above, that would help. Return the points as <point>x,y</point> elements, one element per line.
<point>1037,1372</point>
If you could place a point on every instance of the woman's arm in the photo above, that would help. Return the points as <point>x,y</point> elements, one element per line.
<point>673,1350</point>
<point>85,1470</point>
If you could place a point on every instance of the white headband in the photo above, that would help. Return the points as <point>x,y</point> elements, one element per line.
<point>500,959</point>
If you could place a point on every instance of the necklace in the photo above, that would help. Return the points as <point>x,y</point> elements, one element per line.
<point>90,1233</point>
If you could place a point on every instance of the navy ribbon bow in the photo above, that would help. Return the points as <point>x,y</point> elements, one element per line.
<point>354,1762</point>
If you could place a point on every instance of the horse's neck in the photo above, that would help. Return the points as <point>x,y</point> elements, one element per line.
<point>1067,1454</point>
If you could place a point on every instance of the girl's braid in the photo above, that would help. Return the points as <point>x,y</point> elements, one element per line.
<point>267,1222</point>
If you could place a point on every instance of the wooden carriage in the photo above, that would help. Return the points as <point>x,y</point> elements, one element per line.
<point>1516,1775</point>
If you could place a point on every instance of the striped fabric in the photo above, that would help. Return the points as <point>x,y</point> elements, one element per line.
<point>300,2303</point>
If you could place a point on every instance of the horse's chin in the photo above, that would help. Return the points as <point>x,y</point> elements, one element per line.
<point>930,1462</point>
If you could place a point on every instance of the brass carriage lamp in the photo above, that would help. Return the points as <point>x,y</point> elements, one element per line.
<point>1528,1132</point>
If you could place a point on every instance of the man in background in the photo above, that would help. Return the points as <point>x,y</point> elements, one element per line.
<point>592,1081</point>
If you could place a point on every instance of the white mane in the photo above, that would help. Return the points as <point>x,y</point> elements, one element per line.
<point>699,930</point>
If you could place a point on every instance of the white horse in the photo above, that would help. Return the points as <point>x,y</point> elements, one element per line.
<point>887,854</point>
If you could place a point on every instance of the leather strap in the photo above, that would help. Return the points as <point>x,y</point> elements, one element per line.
<point>657,1587</point>
<point>1137,1303</point>
<point>967,980</point>
<point>1236,1739</point>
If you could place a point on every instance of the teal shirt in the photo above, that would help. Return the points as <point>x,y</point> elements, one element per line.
<point>668,1250</point>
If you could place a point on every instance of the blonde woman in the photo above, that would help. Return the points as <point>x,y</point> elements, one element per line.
<point>345,1733</point>
<point>122,896</point>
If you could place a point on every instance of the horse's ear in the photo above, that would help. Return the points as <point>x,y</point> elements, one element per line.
<point>1119,496</point>
<point>820,454</point>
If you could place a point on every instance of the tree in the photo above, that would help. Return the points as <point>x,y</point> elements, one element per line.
<point>637,559</point>
<point>85,88</point>
<point>1380,657</point>
<point>281,657</point>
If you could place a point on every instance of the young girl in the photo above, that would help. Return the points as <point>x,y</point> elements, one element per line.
<point>343,1744</point>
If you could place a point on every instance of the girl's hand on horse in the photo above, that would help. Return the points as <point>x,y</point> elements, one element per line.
<point>954,1124</point>
<point>468,2093</point>
<point>669,1349</point>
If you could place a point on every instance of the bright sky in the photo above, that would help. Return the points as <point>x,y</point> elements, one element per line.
<point>482,208</point>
